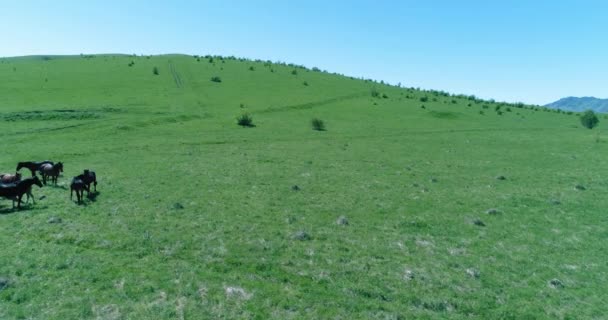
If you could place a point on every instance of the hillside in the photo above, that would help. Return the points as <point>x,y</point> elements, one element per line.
<point>580,104</point>
<point>412,204</point>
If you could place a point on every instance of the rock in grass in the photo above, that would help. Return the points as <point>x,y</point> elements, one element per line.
<point>301,236</point>
<point>54,220</point>
<point>177,206</point>
<point>493,211</point>
<point>479,223</point>
<point>501,178</point>
<point>237,293</point>
<point>295,187</point>
<point>434,180</point>
<point>556,284</point>
<point>342,221</point>
<point>473,273</point>
<point>4,283</point>
<point>580,187</point>
<point>408,275</point>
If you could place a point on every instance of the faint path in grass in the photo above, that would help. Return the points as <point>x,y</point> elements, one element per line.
<point>176,77</point>
<point>310,105</point>
<point>367,136</point>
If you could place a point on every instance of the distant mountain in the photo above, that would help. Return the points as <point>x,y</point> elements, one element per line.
<point>580,104</point>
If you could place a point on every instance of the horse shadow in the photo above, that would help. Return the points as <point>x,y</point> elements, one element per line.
<point>24,208</point>
<point>56,186</point>
<point>93,196</point>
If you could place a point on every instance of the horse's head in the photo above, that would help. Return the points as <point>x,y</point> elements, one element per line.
<point>37,181</point>
<point>59,166</point>
<point>19,166</point>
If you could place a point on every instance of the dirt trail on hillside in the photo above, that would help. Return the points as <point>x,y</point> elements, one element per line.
<point>310,105</point>
<point>176,77</point>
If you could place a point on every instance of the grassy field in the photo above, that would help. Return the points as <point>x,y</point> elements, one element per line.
<point>199,218</point>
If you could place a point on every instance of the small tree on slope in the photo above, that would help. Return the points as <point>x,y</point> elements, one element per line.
<point>589,120</point>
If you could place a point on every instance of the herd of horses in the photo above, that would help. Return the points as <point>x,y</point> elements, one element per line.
<point>13,187</point>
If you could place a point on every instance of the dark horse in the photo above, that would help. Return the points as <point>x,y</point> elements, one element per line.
<point>79,186</point>
<point>32,165</point>
<point>51,170</point>
<point>15,191</point>
<point>87,178</point>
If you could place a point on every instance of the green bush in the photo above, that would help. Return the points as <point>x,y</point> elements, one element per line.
<point>318,124</point>
<point>424,99</point>
<point>375,93</point>
<point>155,71</point>
<point>216,79</point>
<point>589,120</point>
<point>245,120</point>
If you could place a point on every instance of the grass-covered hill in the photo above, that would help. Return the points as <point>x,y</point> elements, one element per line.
<point>411,204</point>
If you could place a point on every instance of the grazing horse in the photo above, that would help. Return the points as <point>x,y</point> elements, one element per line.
<point>10,178</point>
<point>79,186</point>
<point>87,178</point>
<point>15,191</point>
<point>51,170</point>
<point>32,165</point>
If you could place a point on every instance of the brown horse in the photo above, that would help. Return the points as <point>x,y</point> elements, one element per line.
<point>79,186</point>
<point>10,178</point>
<point>52,171</point>
<point>32,165</point>
<point>15,191</point>
<point>87,178</point>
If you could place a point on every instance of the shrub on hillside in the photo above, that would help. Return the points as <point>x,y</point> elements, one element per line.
<point>294,72</point>
<point>318,124</point>
<point>375,93</point>
<point>216,79</point>
<point>589,119</point>
<point>245,120</point>
<point>424,99</point>
<point>155,71</point>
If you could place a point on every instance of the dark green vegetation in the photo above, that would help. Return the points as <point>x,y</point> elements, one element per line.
<point>317,124</point>
<point>396,212</point>
<point>589,120</point>
<point>581,104</point>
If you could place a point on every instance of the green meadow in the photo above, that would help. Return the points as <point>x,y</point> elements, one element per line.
<point>411,204</point>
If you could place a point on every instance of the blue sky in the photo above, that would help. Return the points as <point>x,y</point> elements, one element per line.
<point>531,51</point>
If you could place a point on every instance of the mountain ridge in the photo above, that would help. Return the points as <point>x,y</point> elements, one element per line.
<point>579,104</point>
